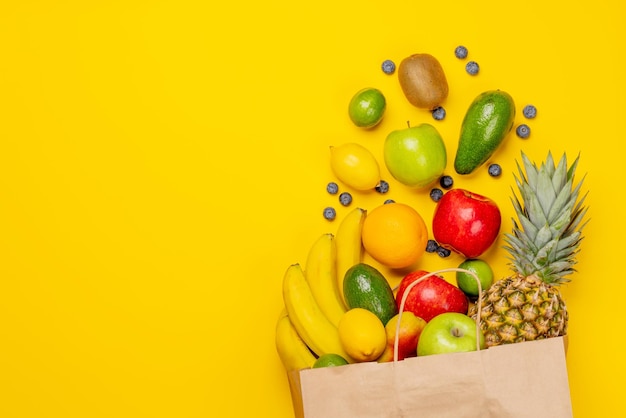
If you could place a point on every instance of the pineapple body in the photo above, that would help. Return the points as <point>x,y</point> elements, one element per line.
<point>519,308</point>
<point>542,251</point>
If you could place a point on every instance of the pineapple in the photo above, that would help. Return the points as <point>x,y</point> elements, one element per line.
<point>542,251</point>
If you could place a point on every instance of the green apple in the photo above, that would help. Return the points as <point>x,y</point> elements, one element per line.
<point>467,283</point>
<point>415,156</point>
<point>367,107</point>
<point>449,332</point>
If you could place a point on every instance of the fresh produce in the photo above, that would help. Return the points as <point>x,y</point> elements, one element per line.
<point>423,81</point>
<point>321,275</point>
<point>450,332</point>
<point>319,334</point>
<point>365,287</point>
<point>529,111</point>
<point>436,194</point>
<point>466,222</point>
<point>355,166</point>
<point>388,67</point>
<point>542,248</point>
<point>362,334</point>
<point>345,199</point>
<point>472,68</point>
<point>348,243</point>
<point>460,52</point>
<point>486,124</point>
<point>332,187</point>
<point>494,170</point>
<point>330,213</point>
<point>523,131</point>
<point>415,156</point>
<point>292,350</point>
<point>467,283</point>
<point>408,333</point>
<point>439,113</point>
<point>367,107</point>
<point>382,187</point>
<point>431,296</point>
<point>394,235</point>
<point>329,360</point>
<point>446,182</point>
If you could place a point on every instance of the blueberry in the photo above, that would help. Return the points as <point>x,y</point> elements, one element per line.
<point>345,198</point>
<point>495,170</point>
<point>431,246</point>
<point>332,187</point>
<point>443,252</point>
<point>382,187</point>
<point>529,111</point>
<point>460,52</point>
<point>446,182</point>
<point>329,213</point>
<point>472,68</point>
<point>523,131</point>
<point>388,67</point>
<point>439,113</point>
<point>436,194</point>
<point>388,201</point>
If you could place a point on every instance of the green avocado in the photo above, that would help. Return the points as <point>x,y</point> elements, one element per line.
<point>365,287</point>
<point>487,122</point>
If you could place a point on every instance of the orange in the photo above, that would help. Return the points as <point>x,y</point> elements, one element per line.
<point>395,235</point>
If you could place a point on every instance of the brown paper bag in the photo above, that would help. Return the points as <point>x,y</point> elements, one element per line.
<point>516,380</point>
<point>519,380</point>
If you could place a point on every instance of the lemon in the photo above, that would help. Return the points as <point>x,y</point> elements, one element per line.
<point>395,235</point>
<point>362,334</point>
<point>367,107</point>
<point>329,360</point>
<point>355,166</point>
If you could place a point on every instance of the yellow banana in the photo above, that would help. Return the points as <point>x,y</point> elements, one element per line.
<point>348,243</point>
<point>321,274</point>
<point>293,352</point>
<point>307,317</point>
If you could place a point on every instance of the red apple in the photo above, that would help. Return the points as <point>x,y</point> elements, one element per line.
<point>431,296</point>
<point>411,327</point>
<point>466,222</point>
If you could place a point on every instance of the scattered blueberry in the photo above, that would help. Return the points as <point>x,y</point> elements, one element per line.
<point>431,246</point>
<point>523,131</point>
<point>388,67</point>
<point>345,198</point>
<point>472,68</point>
<point>388,201</point>
<point>529,111</point>
<point>443,252</point>
<point>436,194</point>
<point>439,113</point>
<point>446,182</point>
<point>332,187</point>
<point>460,52</point>
<point>495,170</point>
<point>329,213</point>
<point>382,187</point>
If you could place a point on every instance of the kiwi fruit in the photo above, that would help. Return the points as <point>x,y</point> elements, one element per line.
<point>423,81</point>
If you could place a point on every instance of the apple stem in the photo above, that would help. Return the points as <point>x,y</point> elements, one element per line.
<point>408,124</point>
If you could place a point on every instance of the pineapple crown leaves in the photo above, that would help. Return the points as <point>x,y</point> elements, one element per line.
<point>545,241</point>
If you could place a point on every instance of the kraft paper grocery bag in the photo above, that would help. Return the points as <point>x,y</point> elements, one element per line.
<point>519,380</point>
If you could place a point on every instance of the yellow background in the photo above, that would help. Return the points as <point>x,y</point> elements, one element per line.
<point>163,162</point>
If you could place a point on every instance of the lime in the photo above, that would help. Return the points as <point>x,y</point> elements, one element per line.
<point>329,360</point>
<point>367,107</point>
<point>467,282</point>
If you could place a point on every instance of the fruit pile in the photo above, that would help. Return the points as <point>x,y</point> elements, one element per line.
<point>338,309</point>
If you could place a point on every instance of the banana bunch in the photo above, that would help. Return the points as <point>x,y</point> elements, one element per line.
<point>313,296</point>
